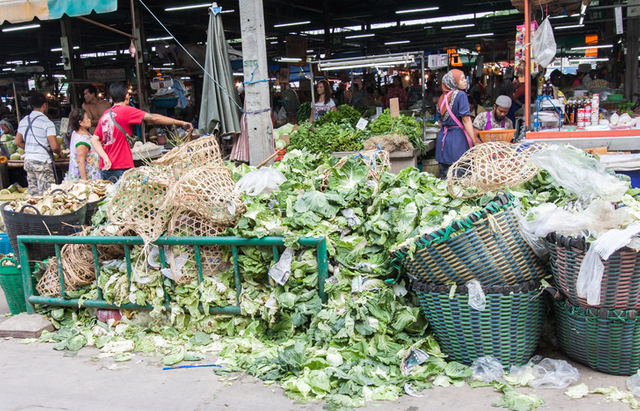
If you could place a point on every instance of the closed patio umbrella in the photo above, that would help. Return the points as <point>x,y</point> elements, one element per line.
<point>220,102</point>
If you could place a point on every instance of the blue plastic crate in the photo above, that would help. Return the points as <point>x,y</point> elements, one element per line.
<point>634,175</point>
<point>5,244</point>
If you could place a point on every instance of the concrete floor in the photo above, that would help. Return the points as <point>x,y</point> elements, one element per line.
<point>36,377</point>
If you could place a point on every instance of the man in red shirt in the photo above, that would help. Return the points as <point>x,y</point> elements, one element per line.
<point>111,143</point>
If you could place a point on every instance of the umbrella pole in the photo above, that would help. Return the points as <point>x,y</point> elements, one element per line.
<point>15,101</point>
<point>137,60</point>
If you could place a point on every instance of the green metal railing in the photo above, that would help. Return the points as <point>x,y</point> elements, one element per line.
<point>127,242</point>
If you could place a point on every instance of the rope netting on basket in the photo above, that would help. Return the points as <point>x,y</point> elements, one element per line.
<point>139,202</point>
<point>209,192</point>
<point>490,167</point>
<point>182,259</point>
<point>377,160</point>
<point>204,151</point>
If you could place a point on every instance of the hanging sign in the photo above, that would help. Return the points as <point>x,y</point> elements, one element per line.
<point>619,26</point>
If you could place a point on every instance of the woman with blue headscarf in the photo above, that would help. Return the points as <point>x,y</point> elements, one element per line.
<point>456,135</point>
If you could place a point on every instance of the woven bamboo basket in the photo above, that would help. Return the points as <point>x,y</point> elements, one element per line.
<point>508,329</point>
<point>486,246</point>
<point>620,287</point>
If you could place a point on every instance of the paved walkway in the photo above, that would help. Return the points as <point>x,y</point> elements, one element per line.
<point>38,378</point>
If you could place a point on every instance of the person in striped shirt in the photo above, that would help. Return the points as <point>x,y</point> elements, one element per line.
<point>37,136</point>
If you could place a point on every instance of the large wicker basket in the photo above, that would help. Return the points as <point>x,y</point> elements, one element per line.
<point>486,246</point>
<point>620,287</point>
<point>508,329</point>
<point>605,340</point>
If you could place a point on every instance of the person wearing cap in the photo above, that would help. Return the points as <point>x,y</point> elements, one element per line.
<point>496,118</point>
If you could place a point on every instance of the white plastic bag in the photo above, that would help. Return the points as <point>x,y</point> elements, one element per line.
<point>261,181</point>
<point>487,369</point>
<point>527,231</point>
<point>591,270</point>
<point>544,44</point>
<point>477,300</point>
<point>579,174</point>
<point>633,384</point>
<point>554,374</point>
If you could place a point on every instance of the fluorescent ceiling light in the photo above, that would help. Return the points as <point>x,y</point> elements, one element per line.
<point>238,74</point>
<point>459,26</point>
<point>591,60</point>
<point>376,26</point>
<point>310,51</point>
<point>60,64</point>
<point>58,49</point>
<point>185,78</point>
<point>368,61</point>
<point>297,23</point>
<point>397,42</point>
<point>30,26</point>
<point>160,38</point>
<point>597,46</point>
<point>59,75</point>
<point>274,42</point>
<point>227,11</point>
<point>445,19</point>
<point>360,36</point>
<point>558,17</point>
<point>569,27</point>
<point>193,6</point>
<point>480,35</point>
<point>417,10</point>
<point>14,62</point>
<point>7,69</point>
<point>289,59</point>
<point>160,68</point>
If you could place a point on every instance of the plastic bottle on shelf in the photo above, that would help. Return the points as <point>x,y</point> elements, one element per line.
<point>587,113</point>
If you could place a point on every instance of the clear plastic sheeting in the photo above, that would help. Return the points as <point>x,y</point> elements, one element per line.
<point>487,369</point>
<point>262,181</point>
<point>633,384</point>
<point>579,173</point>
<point>553,374</point>
<point>477,299</point>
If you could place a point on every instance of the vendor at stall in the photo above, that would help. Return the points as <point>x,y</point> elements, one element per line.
<point>323,102</point>
<point>110,140</point>
<point>6,128</point>
<point>494,119</point>
<point>456,134</point>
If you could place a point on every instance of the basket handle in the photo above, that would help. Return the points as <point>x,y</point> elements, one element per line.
<point>30,206</point>
<point>59,189</point>
<point>9,259</point>
<point>5,191</point>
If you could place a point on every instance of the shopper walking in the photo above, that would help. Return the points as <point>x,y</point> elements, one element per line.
<point>37,136</point>
<point>456,134</point>
<point>114,129</point>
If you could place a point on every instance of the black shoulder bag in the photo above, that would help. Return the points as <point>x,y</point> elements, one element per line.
<point>130,139</point>
<point>47,149</point>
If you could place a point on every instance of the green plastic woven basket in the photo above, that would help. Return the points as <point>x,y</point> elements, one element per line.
<point>486,246</point>
<point>11,282</point>
<point>508,329</point>
<point>605,340</point>
<point>620,286</point>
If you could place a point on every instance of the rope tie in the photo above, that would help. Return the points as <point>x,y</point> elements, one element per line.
<point>493,224</point>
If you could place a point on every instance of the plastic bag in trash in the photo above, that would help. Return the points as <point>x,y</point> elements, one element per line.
<point>554,374</point>
<point>261,181</point>
<point>414,357</point>
<point>578,173</point>
<point>544,44</point>
<point>282,269</point>
<point>589,280</point>
<point>633,384</point>
<point>487,369</point>
<point>477,300</point>
<point>352,218</point>
<point>527,231</point>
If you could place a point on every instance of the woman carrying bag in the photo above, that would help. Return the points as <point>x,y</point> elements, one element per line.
<point>456,134</point>
<point>37,136</point>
